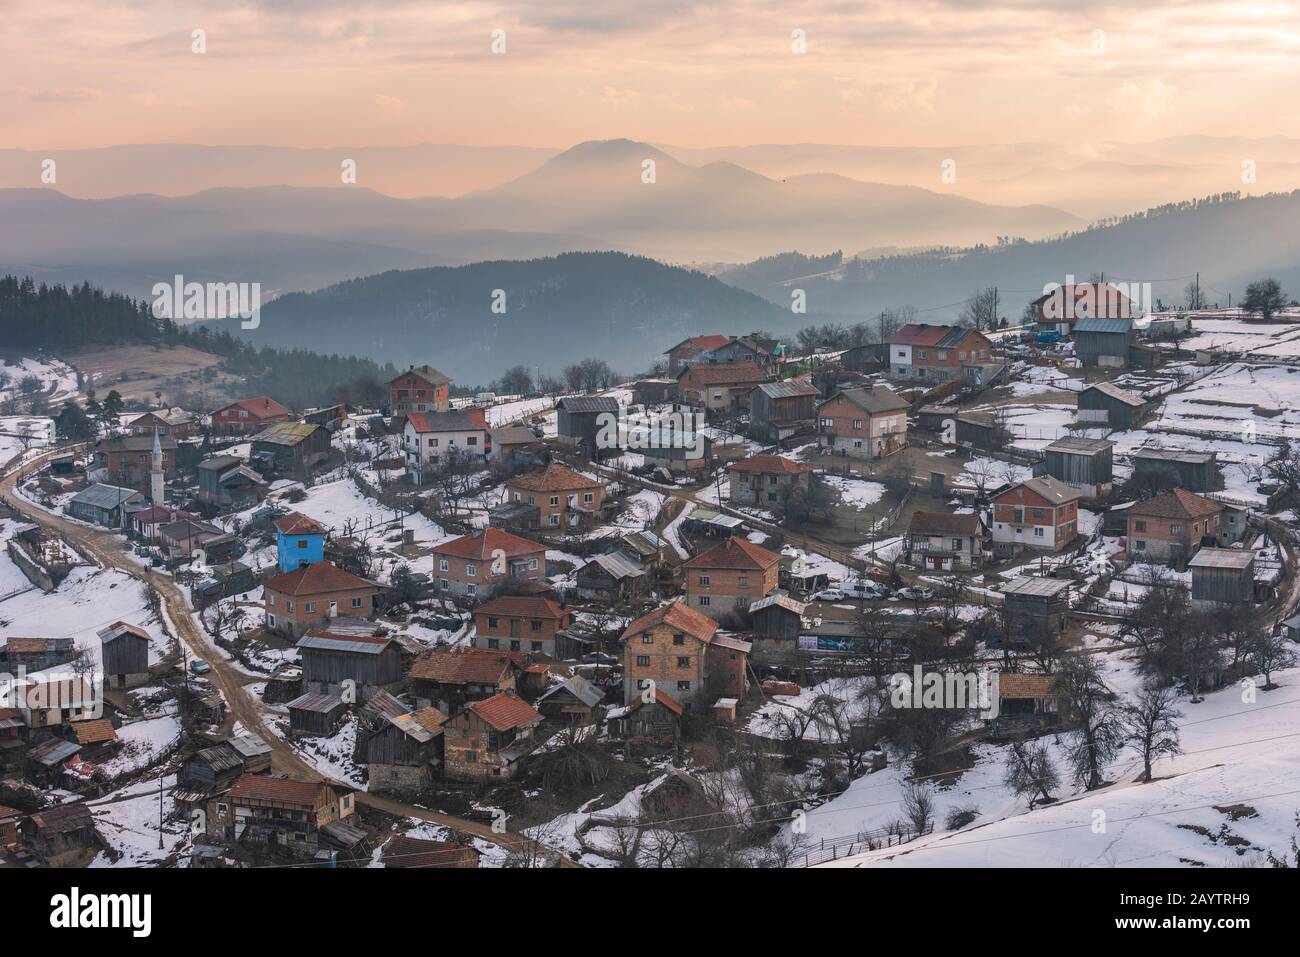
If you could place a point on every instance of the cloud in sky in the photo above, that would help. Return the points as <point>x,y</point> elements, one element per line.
<point>926,72</point>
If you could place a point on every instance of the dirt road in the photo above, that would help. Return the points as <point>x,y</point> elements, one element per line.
<point>106,548</point>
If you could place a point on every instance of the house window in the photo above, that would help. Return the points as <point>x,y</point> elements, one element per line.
<point>1139,526</point>
<point>493,644</point>
<point>532,564</point>
<point>289,606</point>
<point>704,599</point>
<point>744,581</point>
<point>356,603</point>
<point>444,584</point>
<point>1038,531</point>
<point>1175,529</point>
<point>679,639</point>
<point>555,520</point>
<point>302,543</point>
<point>310,607</point>
<point>828,423</point>
<point>588,498</point>
<point>471,571</point>
<point>270,620</point>
<point>1141,546</point>
<point>535,625</point>
<point>555,500</point>
<point>443,565</point>
<point>514,646</point>
<point>270,599</point>
<point>857,423</point>
<point>684,686</point>
<point>493,621</point>
<point>704,579</point>
<point>643,661</point>
<point>471,757</point>
<point>647,639</point>
<point>433,443</point>
<point>683,662</point>
<point>535,645</point>
<point>471,590</point>
<point>471,440</point>
<point>956,544</point>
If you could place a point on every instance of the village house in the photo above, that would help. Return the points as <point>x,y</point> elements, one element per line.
<point>1106,404</point>
<point>730,576</point>
<point>309,596</point>
<point>62,836</point>
<point>124,655</point>
<point>405,751</point>
<point>667,648</point>
<point>207,772</point>
<point>572,701</point>
<point>104,505</point>
<point>289,448</point>
<point>1039,513</point>
<point>422,389</point>
<point>294,815</point>
<point>182,537</point>
<point>766,481</point>
<point>777,618</point>
<point>778,410</point>
<point>315,714</point>
<point>526,623</point>
<point>1027,701</point>
<point>864,423</point>
<point>690,351</point>
<point>299,540</point>
<point>448,679</point>
<point>360,664</point>
<point>403,851</point>
<point>1169,527</point>
<point>226,480</point>
<point>612,576</point>
<point>919,351</point>
<point>51,700</point>
<point>719,388</point>
<point>763,351</point>
<point>726,666</point>
<point>583,419</point>
<point>175,422</point>
<point>946,542</point>
<point>487,740</point>
<point>145,523</point>
<point>1056,312</point>
<point>126,460</point>
<point>563,498</point>
<point>248,416</point>
<point>37,654</point>
<point>1084,464</point>
<point>475,566</point>
<point>431,440</point>
<point>514,445</point>
<point>653,717</point>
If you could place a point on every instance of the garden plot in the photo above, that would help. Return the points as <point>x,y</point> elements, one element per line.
<point>855,492</point>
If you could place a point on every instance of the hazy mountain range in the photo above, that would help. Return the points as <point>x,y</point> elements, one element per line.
<point>1088,179</point>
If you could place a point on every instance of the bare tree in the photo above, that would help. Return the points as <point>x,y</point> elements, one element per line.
<point>981,310</point>
<point>1269,652</point>
<point>1090,706</point>
<point>918,806</point>
<point>1030,772</point>
<point>1150,725</point>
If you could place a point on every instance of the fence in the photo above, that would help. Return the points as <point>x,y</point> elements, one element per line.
<point>833,849</point>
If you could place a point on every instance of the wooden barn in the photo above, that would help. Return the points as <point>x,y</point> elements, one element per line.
<point>1084,464</point>
<point>405,751</point>
<point>1104,404</point>
<point>125,650</point>
<point>330,660</point>
<point>1225,575</point>
<point>315,714</point>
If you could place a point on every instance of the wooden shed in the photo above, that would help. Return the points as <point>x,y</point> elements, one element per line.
<point>1105,404</point>
<point>1034,607</point>
<point>125,650</point>
<point>1224,575</point>
<point>315,714</point>
<point>330,660</point>
<point>1084,464</point>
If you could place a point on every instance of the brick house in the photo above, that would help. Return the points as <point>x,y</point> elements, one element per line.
<point>726,666</point>
<point>764,480</point>
<point>864,423</point>
<point>729,577</point>
<point>248,416</point>
<point>669,647</point>
<point>309,596</point>
<point>1040,513</point>
<point>127,460</point>
<point>525,623</point>
<point>947,542</point>
<point>563,498</point>
<point>419,389</point>
<point>719,387</point>
<point>1170,527</point>
<point>486,740</point>
<point>691,350</point>
<point>430,439</point>
<point>919,351</point>
<point>760,350</point>
<point>1058,310</point>
<point>175,422</point>
<point>473,566</point>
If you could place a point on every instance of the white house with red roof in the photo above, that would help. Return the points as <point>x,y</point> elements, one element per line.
<point>472,566</point>
<point>431,439</point>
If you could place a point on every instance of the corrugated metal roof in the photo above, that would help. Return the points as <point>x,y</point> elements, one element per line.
<point>618,565</point>
<point>1080,446</point>
<point>285,433</point>
<point>582,404</point>
<point>105,496</point>
<point>249,745</point>
<point>355,645</point>
<point>580,688</point>
<point>1115,392</point>
<point>1037,587</point>
<point>316,702</point>
<point>789,389</point>
<point>1117,326</point>
<point>1231,558</point>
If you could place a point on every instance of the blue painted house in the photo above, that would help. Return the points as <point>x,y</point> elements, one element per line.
<point>299,541</point>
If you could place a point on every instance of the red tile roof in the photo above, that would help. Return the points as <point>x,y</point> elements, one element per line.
<point>403,851</point>
<point>553,478</point>
<point>258,787</point>
<point>768,464</point>
<point>484,545</point>
<point>737,553</point>
<point>703,343</point>
<point>504,711</point>
<point>318,578</point>
<point>296,523</point>
<point>939,523</point>
<point>675,614</point>
<point>522,606</point>
<point>94,732</point>
<point>661,697</point>
<point>430,719</point>
<point>1179,503</point>
<point>261,406</point>
<point>473,666</point>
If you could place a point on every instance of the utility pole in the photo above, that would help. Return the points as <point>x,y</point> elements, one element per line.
<point>995,308</point>
<point>161,774</point>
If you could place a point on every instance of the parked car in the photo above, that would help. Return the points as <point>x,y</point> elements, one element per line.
<point>864,588</point>
<point>829,594</point>
<point>914,593</point>
<point>198,667</point>
<point>599,658</point>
